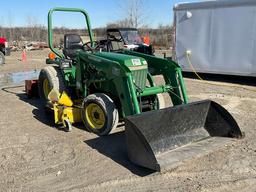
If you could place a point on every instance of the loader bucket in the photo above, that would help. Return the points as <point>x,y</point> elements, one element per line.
<point>156,139</point>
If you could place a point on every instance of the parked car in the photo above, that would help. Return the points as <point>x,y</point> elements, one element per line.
<point>4,50</point>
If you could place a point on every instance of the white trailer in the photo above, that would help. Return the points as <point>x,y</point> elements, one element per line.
<point>216,36</point>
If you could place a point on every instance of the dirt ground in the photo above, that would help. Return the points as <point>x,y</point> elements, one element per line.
<point>36,156</point>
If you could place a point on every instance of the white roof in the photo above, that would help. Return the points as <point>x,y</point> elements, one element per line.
<point>213,4</point>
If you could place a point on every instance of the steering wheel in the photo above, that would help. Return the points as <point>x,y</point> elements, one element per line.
<point>117,39</point>
<point>97,46</point>
<point>87,47</point>
<point>114,38</point>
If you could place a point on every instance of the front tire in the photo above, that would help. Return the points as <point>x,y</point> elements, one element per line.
<point>99,114</point>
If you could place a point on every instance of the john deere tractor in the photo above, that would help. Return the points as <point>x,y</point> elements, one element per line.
<point>102,89</point>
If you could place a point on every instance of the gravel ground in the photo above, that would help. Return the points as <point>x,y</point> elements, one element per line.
<point>14,63</point>
<point>36,156</point>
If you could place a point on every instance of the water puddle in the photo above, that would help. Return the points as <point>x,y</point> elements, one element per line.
<point>9,79</point>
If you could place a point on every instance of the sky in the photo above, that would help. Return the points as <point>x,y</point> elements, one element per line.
<point>101,12</point>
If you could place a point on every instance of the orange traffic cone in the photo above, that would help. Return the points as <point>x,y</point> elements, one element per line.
<point>24,56</point>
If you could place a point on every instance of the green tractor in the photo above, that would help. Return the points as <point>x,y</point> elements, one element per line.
<point>107,88</point>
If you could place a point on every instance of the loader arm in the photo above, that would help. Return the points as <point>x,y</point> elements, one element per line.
<point>171,72</point>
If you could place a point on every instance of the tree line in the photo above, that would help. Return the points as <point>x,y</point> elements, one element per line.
<point>161,36</point>
<point>133,13</point>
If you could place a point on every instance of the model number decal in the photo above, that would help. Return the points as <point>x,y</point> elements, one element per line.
<point>136,62</point>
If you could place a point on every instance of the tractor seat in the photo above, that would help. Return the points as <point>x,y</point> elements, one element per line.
<point>72,43</point>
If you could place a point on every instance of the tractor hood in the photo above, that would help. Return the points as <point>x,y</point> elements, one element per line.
<point>130,61</point>
<point>137,65</point>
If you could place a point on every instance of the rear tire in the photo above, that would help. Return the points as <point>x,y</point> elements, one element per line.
<point>50,78</point>
<point>2,58</point>
<point>99,114</point>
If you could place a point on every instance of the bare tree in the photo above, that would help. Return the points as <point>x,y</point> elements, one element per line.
<point>33,28</point>
<point>135,13</point>
<point>10,21</point>
<point>121,23</point>
<point>1,24</point>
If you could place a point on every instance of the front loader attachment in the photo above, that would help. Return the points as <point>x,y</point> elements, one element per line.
<point>158,139</point>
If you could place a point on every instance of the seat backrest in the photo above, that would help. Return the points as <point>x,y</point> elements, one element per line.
<point>72,43</point>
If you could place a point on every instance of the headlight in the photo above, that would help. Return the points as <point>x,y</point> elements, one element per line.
<point>65,64</point>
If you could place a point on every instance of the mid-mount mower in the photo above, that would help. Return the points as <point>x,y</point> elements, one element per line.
<point>84,83</point>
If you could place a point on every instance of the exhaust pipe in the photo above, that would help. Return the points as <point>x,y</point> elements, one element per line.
<point>154,138</point>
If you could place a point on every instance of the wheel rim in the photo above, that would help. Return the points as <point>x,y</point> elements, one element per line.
<point>95,116</point>
<point>46,88</point>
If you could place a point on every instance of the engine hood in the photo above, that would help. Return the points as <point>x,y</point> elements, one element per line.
<point>128,60</point>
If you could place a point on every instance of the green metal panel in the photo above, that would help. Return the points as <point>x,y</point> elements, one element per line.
<point>140,78</point>
<point>123,59</point>
<point>137,65</point>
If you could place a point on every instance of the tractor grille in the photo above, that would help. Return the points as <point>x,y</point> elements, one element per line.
<point>140,77</point>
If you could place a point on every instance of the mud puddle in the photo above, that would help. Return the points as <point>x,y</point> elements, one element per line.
<point>8,79</point>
